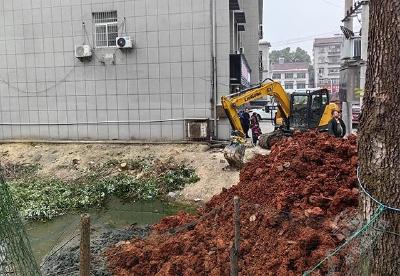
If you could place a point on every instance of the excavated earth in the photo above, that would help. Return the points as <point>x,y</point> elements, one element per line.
<point>293,209</point>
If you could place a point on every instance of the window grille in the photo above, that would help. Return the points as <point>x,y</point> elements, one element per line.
<point>301,75</point>
<point>289,85</point>
<point>288,75</point>
<point>276,76</point>
<point>106,28</point>
<point>301,85</point>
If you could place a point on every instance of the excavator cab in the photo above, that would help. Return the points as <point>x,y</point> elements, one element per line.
<point>308,108</point>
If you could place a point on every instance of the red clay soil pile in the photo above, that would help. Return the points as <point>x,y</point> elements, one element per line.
<point>293,205</point>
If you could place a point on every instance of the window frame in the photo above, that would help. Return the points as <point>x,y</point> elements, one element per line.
<point>303,75</point>
<point>274,74</point>
<point>287,76</point>
<point>291,83</point>
<point>112,22</point>
<point>302,83</point>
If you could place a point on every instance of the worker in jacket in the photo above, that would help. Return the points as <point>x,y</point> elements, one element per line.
<point>255,128</point>
<point>336,126</point>
<point>245,121</point>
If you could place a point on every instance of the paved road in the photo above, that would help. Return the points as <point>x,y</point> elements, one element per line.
<point>266,126</point>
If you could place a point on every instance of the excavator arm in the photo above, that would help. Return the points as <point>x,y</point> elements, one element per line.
<point>230,103</point>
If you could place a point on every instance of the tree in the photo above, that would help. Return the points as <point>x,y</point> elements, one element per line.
<point>299,55</point>
<point>379,138</point>
<point>311,73</point>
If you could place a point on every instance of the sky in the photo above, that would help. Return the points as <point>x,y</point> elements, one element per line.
<point>295,23</point>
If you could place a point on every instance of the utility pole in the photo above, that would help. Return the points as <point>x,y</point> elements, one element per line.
<point>364,45</point>
<point>347,108</point>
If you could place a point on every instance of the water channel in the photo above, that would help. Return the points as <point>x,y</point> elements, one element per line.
<point>45,236</point>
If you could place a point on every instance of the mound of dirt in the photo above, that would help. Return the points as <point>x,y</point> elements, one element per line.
<point>65,260</point>
<point>293,208</point>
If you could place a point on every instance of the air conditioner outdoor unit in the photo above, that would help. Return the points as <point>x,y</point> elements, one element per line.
<point>197,130</point>
<point>124,42</point>
<point>83,51</point>
<point>346,49</point>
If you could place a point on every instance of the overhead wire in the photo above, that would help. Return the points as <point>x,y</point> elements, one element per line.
<point>300,39</point>
<point>58,82</point>
<point>332,4</point>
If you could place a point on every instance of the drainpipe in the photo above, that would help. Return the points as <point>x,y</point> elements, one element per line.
<point>214,67</point>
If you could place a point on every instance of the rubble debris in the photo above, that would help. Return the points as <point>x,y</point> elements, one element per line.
<point>290,218</point>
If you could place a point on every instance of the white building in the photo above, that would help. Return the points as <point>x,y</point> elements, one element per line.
<point>327,63</point>
<point>291,75</point>
<point>64,77</point>
<point>264,48</point>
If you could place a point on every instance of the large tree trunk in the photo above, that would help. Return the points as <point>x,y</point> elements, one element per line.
<point>379,138</point>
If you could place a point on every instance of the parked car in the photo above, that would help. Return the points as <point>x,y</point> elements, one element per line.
<point>262,113</point>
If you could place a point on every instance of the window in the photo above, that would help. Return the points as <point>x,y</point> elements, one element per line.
<point>333,60</point>
<point>301,85</point>
<point>288,75</point>
<point>321,71</point>
<point>276,76</point>
<point>301,75</point>
<point>106,28</point>
<point>288,85</point>
<point>334,71</point>
<point>321,59</point>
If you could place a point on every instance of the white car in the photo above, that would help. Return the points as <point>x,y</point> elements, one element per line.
<point>261,114</point>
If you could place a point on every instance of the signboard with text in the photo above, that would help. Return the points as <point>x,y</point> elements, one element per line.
<point>240,71</point>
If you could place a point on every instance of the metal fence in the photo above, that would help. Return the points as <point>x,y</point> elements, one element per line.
<point>16,256</point>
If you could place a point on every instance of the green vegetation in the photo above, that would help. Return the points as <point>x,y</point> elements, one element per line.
<point>45,198</point>
<point>299,55</point>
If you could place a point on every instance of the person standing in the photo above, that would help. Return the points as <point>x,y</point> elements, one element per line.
<point>255,127</point>
<point>336,126</point>
<point>245,121</point>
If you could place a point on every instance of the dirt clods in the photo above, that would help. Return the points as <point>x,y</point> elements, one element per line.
<point>292,203</point>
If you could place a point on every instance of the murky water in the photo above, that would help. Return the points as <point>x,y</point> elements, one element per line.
<point>45,236</point>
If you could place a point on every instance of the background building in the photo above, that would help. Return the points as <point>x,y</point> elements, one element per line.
<point>291,75</point>
<point>264,48</point>
<point>177,71</point>
<point>327,59</point>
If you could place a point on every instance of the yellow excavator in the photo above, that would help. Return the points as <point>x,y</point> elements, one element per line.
<point>295,111</point>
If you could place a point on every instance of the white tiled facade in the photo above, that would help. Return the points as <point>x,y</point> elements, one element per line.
<point>146,93</point>
<point>327,61</point>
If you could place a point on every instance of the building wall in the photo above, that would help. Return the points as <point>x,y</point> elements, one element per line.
<point>327,63</point>
<point>250,37</point>
<point>46,93</point>
<point>264,49</point>
<point>296,80</point>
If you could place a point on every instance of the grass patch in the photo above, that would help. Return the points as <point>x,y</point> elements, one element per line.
<point>43,199</point>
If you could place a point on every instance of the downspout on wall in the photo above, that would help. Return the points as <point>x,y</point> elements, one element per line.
<point>214,82</point>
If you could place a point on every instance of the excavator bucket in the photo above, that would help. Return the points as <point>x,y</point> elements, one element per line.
<point>267,140</point>
<point>234,154</point>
